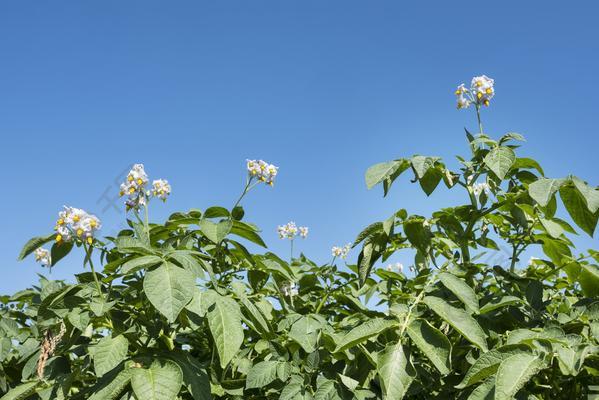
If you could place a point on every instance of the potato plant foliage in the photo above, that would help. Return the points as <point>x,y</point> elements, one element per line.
<point>183,310</point>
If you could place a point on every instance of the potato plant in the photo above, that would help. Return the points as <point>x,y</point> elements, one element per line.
<point>183,310</point>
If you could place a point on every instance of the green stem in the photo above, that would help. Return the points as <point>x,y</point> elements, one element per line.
<point>147,223</point>
<point>88,250</point>
<point>415,303</point>
<point>245,190</point>
<point>291,252</point>
<point>480,124</point>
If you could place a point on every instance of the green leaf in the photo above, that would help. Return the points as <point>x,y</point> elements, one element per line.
<point>459,319</point>
<point>418,235</point>
<point>169,288</point>
<point>161,381</point>
<point>514,372</point>
<point>195,377</point>
<point>396,371</point>
<point>556,250</point>
<point>432,342</point>
<point>461,290</point>
<point>130,244</point>
<point>59,251</point>
<point>326,390</point>
<point>499,303</point>
<point>590,195</point>
<point>216,232</point>
<point>21,392</point>
<point>111,385</point>
<point>34,244</point>
<point>589,280</point>
<point>305,332</point>
<point>422,164</point>
<point>430,180</point>
<point>379,172</point>
<point>485,391</point>
<point>528,163</point>
<point>576,206</point>
<point>246,231</point>
<point>364,331</point>
<point>554,229</point>
<point>542,190</point>
<point>139,263</point>
<point>488,363</point>
<point>108,353</point>
<point>224,320</point>
<point>261,374</point>
<point>511,136</point>
<point>188,261</point>
<point>499,160</point>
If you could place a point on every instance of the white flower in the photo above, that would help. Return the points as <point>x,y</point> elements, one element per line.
<point>75,222</point>
<point>290,289</point>
<point>288,231</point>
<point>479,188</point>
<point>161,189</point>
<point>341,252</point>
<point>532,260</point>
<point>461,93</point>
<point>43,256</point>
<point>483,89</point>
<point>262,170</point>
<point>395,267</point>
<point>134,187</point>
<point>303,232</point>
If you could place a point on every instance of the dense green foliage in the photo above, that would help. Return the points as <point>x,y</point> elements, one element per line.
<point>182,309</point>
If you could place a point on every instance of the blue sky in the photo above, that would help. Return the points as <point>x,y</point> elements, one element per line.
<point>321,89</point>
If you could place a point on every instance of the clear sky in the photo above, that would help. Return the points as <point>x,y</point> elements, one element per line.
<point>323,89</point>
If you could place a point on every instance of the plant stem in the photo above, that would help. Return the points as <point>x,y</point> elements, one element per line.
<point>147,223</point>
<point>416,301</point>
<point>480,124</point>
<point>245,190</point>
<point>88,250</point>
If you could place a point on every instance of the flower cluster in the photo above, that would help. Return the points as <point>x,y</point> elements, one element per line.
<point>76,223</point>
<point>42,256</point>
<point>395,267</point>
<point>303,232</point>
<point>479,188</point>
<point>161,189</point>
<point>290,231</point>
<point>134,188</point>
<point>290,289</point>
<point>262,170</point>
<point>341,252</point>
<point>481,91</point>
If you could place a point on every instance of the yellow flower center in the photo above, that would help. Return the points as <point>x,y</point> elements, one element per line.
<point>479,83</point>
<point>90,240</point>
<point>458,92</point>
<point>487,103</point>
<point>92,223</point>
<point>79,232</point>
<point>139,181</point>
<point>130,178</point>
<point>76,218</point>
<point>60,221</point>
<point>131,190</point>
<point>58,238</point>
<point>479,95</point>
<point>489,91</point>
